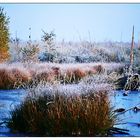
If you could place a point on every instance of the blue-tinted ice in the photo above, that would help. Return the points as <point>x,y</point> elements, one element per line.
<point>129,120</point>
<point>8,100</point>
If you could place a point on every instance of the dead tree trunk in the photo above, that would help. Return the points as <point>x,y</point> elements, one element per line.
<point>132,47</point>
<point>132,52</point>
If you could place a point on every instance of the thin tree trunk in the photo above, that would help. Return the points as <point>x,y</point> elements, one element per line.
<point>132,48</point>
<point>132,52</point>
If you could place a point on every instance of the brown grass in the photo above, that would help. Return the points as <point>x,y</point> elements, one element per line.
<point>99,69</point>
<point>5,79</point>
<point>47,75</point>
<point>72,75</point>
<point>44,76</point>
<point>13,74</point>
<point>13,77</point>
<point>61,115</point>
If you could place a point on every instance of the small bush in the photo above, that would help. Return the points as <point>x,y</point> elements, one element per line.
<point>48,57</point>
<point>30,52</point>
<point>58,114</point>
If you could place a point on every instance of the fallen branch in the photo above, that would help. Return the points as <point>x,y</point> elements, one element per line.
<point>127,110</point>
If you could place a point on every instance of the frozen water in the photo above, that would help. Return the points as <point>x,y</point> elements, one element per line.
<point>8,100</point>
<point>129,120</point>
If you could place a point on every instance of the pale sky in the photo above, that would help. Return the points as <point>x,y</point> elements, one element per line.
<point>72,22</point>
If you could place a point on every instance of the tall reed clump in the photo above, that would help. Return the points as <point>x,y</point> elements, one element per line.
<point>58,114</point>
<point>13,77</point>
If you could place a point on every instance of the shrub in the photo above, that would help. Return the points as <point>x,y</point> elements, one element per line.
<point>58,114</point>
<point>46,57</point>
<point>4,35</point>
<point>30,52</point>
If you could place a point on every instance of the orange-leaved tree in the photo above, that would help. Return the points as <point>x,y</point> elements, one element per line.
<point>4,35</point>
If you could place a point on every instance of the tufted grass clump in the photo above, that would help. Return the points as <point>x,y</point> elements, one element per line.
<point>13,77</point>
<point>59,114</point>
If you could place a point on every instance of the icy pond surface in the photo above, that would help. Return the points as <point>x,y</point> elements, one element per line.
<point>8,99</point>
<point>129,120</point>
